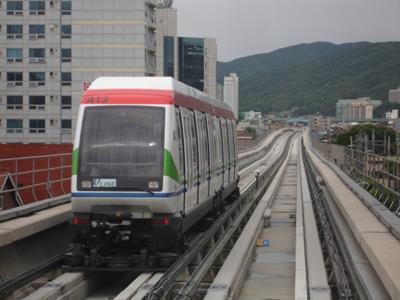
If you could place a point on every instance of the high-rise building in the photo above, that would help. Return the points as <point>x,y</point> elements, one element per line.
<point>167,44</point>
<point>231,92</point>
<point>52,50</point>
<point>394,95</point>
<point>189,59</point>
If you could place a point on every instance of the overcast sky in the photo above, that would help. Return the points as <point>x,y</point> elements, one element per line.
<point>245,27</point>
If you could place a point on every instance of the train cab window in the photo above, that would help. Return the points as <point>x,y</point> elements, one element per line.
<point>122,148</point>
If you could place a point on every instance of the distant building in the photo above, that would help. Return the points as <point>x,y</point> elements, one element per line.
<point>392,115</point>
<point>231,92</point>
<point>320,123</point>
<point>189,59</point>
<point>356,109</point>
<point>220,92</point>
<point>249,115</point>
<point>394,95</point>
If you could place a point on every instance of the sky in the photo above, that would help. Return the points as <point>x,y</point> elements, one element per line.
<point>246,27</point>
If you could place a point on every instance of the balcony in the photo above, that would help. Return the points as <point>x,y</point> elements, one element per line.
<point>14,59</point>
<point>15,12</point>
<point>14,36</point>
<point>13,83</point>
<point>37,130</point>
<point>37,36</point>
<point>36,60</point>
<point>37,12</point>
<point>14,130</point>
<point>36,83</point>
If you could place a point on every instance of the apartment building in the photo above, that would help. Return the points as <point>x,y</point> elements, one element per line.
<point>50,52</point>
<point>356,109</point>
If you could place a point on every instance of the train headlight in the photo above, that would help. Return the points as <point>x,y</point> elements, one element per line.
<point>153,185</point>
<point>86,184</point>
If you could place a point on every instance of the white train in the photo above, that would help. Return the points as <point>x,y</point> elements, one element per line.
<point>151,157</point>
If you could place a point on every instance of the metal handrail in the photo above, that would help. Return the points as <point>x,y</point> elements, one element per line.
<point>29,174</point>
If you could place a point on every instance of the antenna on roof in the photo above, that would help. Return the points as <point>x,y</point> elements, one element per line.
<point>165,3</point>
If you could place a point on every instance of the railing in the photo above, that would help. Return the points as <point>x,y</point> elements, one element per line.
<point>379,175</point>
<point>34,178</point>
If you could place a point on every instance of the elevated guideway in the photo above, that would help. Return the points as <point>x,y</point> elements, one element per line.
<point>38,223</point>
<point>379,245</point>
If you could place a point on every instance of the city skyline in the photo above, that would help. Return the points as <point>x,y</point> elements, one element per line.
<point>278,24</point>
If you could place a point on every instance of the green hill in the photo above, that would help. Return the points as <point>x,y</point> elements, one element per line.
<point>312,77</point>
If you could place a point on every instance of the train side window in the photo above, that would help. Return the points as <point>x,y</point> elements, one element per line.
<point>179,137</point>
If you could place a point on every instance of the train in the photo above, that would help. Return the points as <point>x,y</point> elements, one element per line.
<point>151,157</point>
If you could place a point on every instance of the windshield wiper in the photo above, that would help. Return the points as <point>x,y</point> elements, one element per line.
<point>137,189</point>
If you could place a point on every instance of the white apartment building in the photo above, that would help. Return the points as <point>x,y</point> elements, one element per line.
<point>231,93</point>
<point>50,51</point>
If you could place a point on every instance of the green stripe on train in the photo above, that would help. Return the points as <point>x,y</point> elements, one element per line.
<point>170,169</point>
<point>75,156</point>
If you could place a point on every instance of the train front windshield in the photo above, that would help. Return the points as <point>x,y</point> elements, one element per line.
<point>122,148</point>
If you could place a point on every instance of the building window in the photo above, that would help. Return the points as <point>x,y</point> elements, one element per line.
<point>37,31</point>
<point>169,56</point>
<point>66,126</point>
<point>37,126</point>
<point>37,78</point>
<point>37,102</point>
<point>14,102</point>
<point>14,31</point>
<point>14,54</point>
<point>37,7</point>
<point>14,126</point>
<point>66,102</point>
<point>66,31</point>
<point>14,8</point>
<point>66,7</point>
<point>66,55</point>
<point>37,55</point>
<point>66,78</point>
<point>14,78</point>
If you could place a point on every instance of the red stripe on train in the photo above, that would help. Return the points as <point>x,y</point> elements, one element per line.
<point>152,97</point>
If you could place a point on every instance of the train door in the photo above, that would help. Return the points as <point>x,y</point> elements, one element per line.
<point>225,144</point>
<point>206,165</point>
<point>210,155</point>
<point>202,162</point>
<point>235,153</point>
<point>178,136</point>
<point>191,188</point>
<point>213,155</point>
<point>195,158</point>
<point>220,152</point>
<point>231,150</point>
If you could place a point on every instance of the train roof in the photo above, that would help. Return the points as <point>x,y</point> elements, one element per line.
<point>180,93</point>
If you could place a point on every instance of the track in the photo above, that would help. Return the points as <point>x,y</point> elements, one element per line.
<point>188,276</point>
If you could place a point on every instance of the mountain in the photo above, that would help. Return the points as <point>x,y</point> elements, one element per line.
<point>312,77</point>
